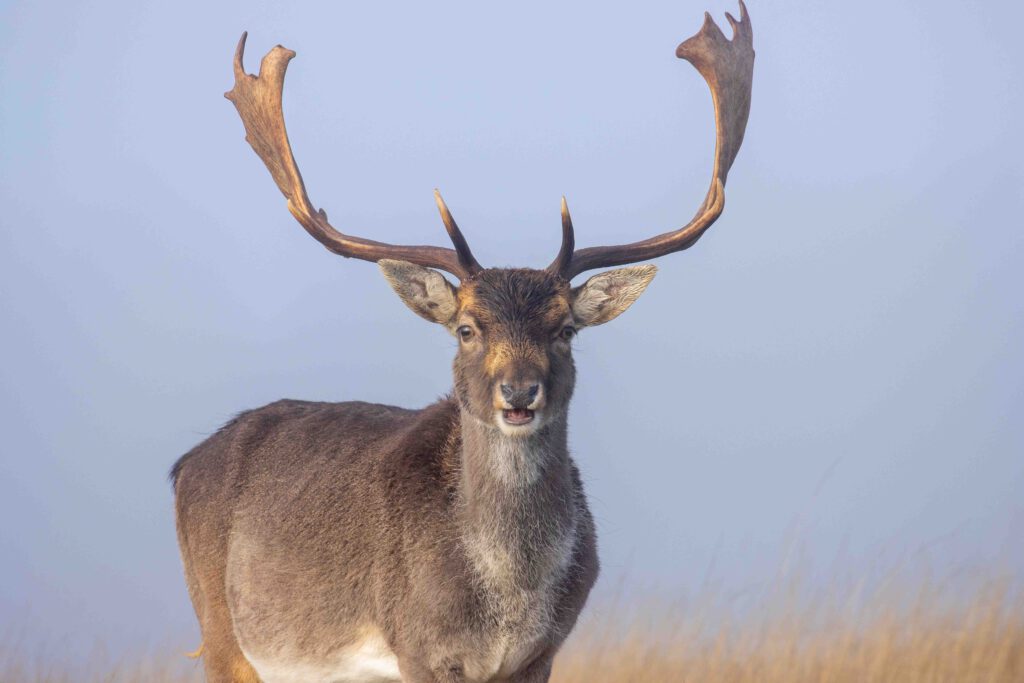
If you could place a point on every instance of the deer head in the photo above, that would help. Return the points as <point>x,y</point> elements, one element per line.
<point>513,369</point>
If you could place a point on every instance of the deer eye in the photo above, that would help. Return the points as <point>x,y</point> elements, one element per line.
<point>567,333</point>
<point>465,333</point>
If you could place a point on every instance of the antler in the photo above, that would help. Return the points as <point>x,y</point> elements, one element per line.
<point>258,100</point>
<point>728,68</point>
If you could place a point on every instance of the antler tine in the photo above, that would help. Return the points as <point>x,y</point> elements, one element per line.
<point>258,100</point>
<point>728,67</point>
<point>466,257</point>
<point>565,252</point>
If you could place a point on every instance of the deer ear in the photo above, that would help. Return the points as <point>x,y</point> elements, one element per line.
<point>606,295</point>
<point>423,290</point>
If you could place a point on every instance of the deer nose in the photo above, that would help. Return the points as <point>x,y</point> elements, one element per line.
<point>520,395</point>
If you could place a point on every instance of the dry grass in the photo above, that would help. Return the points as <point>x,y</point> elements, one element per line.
<point>930,634</point>
<point>16,667</point>
<point>927,634</point>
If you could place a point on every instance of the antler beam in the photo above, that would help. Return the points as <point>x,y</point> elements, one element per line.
<point>258,100</point>
<point>728,68</point>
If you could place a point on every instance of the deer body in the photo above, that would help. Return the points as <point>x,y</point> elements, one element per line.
<point>355,530</point>
<point>338,542</point>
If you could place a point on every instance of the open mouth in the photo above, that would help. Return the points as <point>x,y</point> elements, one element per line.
<point>517,416</point>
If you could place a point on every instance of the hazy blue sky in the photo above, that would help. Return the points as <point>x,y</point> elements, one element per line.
<point>838,362</point>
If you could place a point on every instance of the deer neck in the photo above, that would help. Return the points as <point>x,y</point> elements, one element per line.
<point>518,503</point>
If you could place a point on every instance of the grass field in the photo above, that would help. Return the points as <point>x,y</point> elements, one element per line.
<point>905,633</point>
<point>918,634</point>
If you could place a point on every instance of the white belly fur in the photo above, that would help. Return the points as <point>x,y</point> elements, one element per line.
<point>367,661</point>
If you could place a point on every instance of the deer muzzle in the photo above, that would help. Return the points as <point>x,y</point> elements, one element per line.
<point>519,401</point>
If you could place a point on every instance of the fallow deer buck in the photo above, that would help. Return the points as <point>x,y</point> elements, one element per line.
<point>336,542</point>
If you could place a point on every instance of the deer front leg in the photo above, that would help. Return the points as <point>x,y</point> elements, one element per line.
<point>417,671</point>
<point>539,670</point>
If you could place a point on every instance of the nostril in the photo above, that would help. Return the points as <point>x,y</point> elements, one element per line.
<point>532,391</point>
<point>507,392</point>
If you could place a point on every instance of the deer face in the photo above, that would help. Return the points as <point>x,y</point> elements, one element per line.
<point>514,369</point>
<point>514,366</point>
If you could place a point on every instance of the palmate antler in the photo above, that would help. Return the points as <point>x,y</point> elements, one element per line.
<point>258,100</point>
<point>727,66</point>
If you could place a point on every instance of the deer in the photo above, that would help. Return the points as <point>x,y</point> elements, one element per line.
<point>344,542</point>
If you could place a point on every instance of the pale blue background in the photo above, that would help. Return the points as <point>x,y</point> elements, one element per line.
<point>835,372</point>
